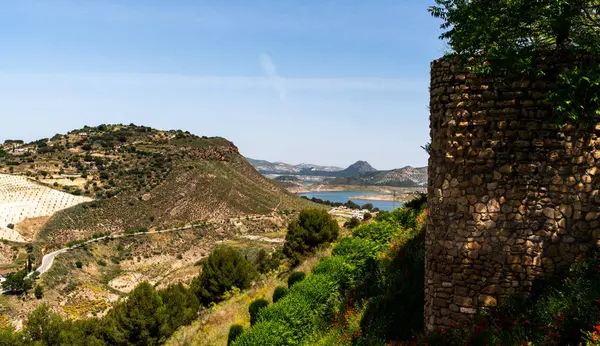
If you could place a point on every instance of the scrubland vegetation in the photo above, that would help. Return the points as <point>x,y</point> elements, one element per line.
<point>149,316</point>
<point>370,292</point>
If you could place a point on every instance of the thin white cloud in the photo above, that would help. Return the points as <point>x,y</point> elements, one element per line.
<point>272,80</point>
<point>271,71</point>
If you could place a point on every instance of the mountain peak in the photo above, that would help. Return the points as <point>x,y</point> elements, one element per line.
<point>360,167</point>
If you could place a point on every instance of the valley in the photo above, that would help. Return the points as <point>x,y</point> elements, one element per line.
<point>360,182</point>
<point>101,209</point>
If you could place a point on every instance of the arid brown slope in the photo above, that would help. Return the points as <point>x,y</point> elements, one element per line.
<point>143,177</point>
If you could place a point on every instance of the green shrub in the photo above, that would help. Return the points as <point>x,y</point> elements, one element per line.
<point>254,308</point>
<point>407,217</point>
<point>340,271</point>
<point>356,250</point>
<point>78,264</point>
<point>180,307</point>
<point>294,317</point>
<point>224,269</point>
<point>312,228</point>
<point>266,262</point>
<point>295,277</point>
<point>279,292</point>
<point>395,288</point>
<point>352,223</point>
<point>17,282</point>
<point>38,291</point>
<point>379,232</point>
<point>367,216</point>
<point>265,333</point>
<point>234,332</point>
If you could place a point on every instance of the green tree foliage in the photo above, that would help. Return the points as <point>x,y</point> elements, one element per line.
<point>78,264</point>
<point>294,278</point>
<point>43,327</point>
<point>352,223</point>
<point>29,264</point>
<point>224,269</point>
<point>181,308</point>
<point>146,317</point>
<point>312,228</point>
<point>254,308</point>
<point>368,206</point>
<point>509,35</point>
<point>266,262</point>
<point>17,282</point>
<point>234,332</point>
<point>39,291</point>
<point>137,320</point>
<point>279,292</point>
<point>313,306</point>
<point>8,337</point>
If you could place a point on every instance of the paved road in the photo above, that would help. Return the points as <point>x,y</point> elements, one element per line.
<point>48,259</point>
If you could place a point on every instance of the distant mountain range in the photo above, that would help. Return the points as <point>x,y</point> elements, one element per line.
<point>266,167</point>
<point>359,173</point>
<point>401,177</point>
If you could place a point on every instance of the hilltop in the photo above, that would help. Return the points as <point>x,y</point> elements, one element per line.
<point>142,177</point>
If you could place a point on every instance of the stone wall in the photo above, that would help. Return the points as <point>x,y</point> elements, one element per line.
<point>512,198</point>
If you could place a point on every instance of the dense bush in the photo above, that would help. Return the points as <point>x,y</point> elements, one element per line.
<point>254,308</point>
<point>294,278</point>
<point>294,317</point>
<point>313,228</point>
<point>266,262</point>
<point>279,292</point>
<point>352,223</point>
<point>17,282</point>
<point>395,290</point>
<point>515,37</point>
<point>39,291</point>
<point>180,307</point>
<point>234,331</point>
<point>224,269</point>
<point>353,276</point>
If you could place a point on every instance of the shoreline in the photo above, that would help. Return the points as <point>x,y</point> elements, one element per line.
<point>382,190</point>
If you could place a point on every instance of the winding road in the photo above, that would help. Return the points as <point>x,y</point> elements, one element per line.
<point>48,259</point>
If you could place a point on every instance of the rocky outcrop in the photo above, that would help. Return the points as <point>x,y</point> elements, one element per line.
<point>512,198</point>
<point>221,152</point>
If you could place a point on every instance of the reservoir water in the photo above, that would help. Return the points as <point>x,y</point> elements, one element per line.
<point>342,197</point>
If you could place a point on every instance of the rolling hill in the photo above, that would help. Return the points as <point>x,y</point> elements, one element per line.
<point>142,177</point>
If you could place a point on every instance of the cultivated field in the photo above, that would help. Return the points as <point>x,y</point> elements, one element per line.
<point>21,198</point>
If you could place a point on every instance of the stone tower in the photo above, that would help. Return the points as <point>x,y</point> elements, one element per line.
<point>512,198</point>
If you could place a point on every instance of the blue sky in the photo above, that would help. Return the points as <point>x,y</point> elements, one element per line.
<point>323,82</point>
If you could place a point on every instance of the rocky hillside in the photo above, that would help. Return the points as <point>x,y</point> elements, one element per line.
<point>401,177</point>
<point>359,173</point>
<point>142,177</point>
<point>266,167</point>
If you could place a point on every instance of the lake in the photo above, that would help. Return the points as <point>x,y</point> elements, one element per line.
<point>342,197</point>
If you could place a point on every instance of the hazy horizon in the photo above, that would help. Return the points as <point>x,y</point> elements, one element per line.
<point>325,83</point>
